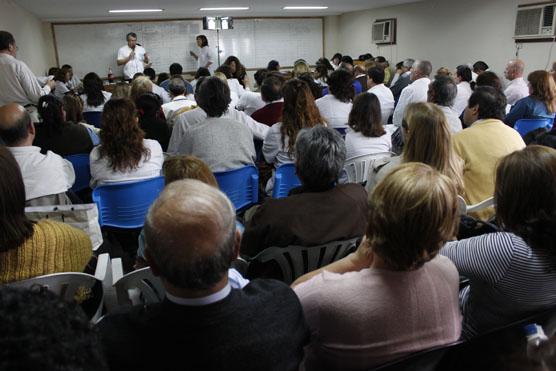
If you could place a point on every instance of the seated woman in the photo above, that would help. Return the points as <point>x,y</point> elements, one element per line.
<point>238,70</point>
<point>139,86</point>
<point>94,96</point>
<point>62,77</point>
<point>512,273</point>
<point>336,106</point>
<point>299,112</point>
<point>30,249</point>
<point>123,154</point>
<point>541,104</point>
<point>151,119</point>
<point>73,108</point>
<point>55,134</point>
<point>395,295</point>
<point>428,141</point>
<point>366,134</point>
<point>233,83</point>
<point>318,212</point>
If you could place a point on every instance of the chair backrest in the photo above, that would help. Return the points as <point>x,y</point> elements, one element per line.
<point>294,261</point>
<point>240,185</point>
<point>357,168</point>
<point>125,204</point>
<point>285,179</point>
<point>69,286</point>
<point>139,287</point>
<point>93,118</point>
<point>82,169</point>
<point>525,126</point>
<point>465,209</point>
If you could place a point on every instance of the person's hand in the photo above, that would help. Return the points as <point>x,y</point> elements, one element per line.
<point>51,84</point>
<point>131,55</point>
<point>191,53</point>
<point>246,82</point>
<point>363,257</point>
<point>146,58</point>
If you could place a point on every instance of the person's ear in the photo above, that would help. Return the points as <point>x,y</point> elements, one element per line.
<point>151,262</point>
<point>31,128</point>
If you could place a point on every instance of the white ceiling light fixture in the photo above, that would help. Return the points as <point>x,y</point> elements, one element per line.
<point>135,10</point>
<point>226,8</point>
<point>305,7</point>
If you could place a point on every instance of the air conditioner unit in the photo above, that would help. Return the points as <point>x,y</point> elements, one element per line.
<point>535,22</point>
<point>384,31</point>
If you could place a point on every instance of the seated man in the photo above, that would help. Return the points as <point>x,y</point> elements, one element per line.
<point>179,103</point>
<point>271,94</point>
<point>484,143</point>
<point>319,211</point>
<point>442,92</point>
<point>47,177</point>
<point>222,142</point>
<point>203,324</point>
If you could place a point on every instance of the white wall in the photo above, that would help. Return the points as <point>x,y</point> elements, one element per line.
<point>447,32</point>
<point>33,37</point>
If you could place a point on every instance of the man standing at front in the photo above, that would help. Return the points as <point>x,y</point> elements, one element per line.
<point>132,56</point>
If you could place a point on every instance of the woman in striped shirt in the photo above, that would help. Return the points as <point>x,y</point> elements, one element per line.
<point>512,273</point>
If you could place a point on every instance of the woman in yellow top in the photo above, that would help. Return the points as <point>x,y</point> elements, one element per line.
<point>29,249</point>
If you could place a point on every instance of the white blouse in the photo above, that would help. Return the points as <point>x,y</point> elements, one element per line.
<point>334,111</point>
<point>358,145</point>
<point>148,167</point>
<point>87,108</point>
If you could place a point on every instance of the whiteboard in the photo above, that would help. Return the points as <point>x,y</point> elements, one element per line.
<point>93,47</point>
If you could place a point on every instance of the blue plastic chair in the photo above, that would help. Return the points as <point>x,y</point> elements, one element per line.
<point>93,118</point>
<point>525,126</point>
<point>125,204</point>
<point>240,185</point>
<point>82,169</point>
<point>284,180</point>
<point>357,87</point>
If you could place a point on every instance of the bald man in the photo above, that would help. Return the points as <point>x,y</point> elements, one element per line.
<point>48,177</point>
<point>204,323</point>
<point>517,87</point>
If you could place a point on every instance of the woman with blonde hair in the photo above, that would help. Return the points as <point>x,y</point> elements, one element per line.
<point>123,154</point>
<point>428,141</point>
<point>540,104</point>
<point>395,295</point>
<point>140,86</point>
<point>300,67</point>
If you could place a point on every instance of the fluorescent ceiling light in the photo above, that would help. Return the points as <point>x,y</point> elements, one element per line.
<point>226,8</point>
<point>135,10</point>
<point>304,7</point>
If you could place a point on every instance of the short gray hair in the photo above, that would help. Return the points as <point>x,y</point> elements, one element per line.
<point>190,234</point>
<point>423,67</point>
<point>176,86</point>
<point>320,154</point>
<point>408,63</point>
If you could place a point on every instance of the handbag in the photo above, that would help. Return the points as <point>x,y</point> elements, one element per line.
<point>83,217</point>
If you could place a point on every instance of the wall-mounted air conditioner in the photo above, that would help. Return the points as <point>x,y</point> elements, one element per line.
<point>384,31</point>
<point>535,22</point>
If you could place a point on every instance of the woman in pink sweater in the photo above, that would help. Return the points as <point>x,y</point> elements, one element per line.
<point>394,295</point>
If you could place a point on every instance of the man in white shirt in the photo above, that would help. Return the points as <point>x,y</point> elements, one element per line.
<point>375,80</point>
<point>179,103</point>
<point>415,92</point>
<point>46,177</point>
<point>161,92</point>
<point>132,56</point>
<point>17,83</point>
<point>442,92</point>
<point>517,88</point>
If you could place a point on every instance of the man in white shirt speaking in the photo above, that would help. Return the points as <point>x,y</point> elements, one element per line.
<point>17,83</point>
<point>415,92</point>
<point>132,56</point>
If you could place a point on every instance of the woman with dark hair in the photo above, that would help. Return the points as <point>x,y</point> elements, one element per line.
<point>322,69</point>
<point>151,119</point>
<point>366,134</point>
<point>238,69</point>
<point>395,295</point>
<point>123,154</point>
<point>463,81</point>
<point>201,71</point>
<point>540,104</point>
<point>273,66</point>
<point>336,106</point>
<point>55,134</point>
<point>62,77</point>
<point>299,112</point>
<point>316,89</point>
<point>233,83</point>
<point>204,58</point>
<point>29,249</point>
<point>512,273</point>
<point>94,96</point>
<point>336,61</point>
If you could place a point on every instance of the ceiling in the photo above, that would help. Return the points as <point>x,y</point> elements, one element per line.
<point>97,10</point>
